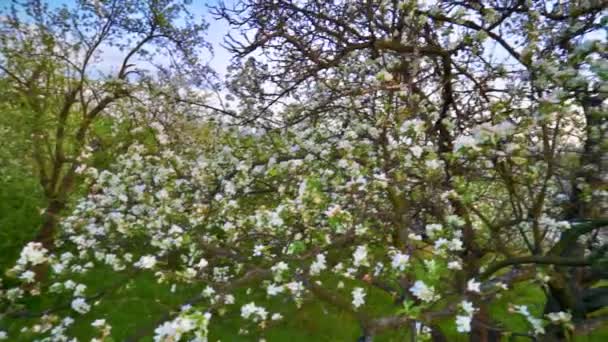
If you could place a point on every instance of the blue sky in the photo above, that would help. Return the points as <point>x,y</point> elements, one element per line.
<point>110,58</point>
<point>215,35</point>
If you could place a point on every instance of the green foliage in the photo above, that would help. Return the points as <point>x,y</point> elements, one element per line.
<point>20,203</point>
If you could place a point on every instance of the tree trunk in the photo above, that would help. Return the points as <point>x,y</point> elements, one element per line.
<point>568,291</point>
<point>46,234</point>
<point>565,293</point>
<point>366,338</point>
<point>482,332</point>
<point>437,335</point>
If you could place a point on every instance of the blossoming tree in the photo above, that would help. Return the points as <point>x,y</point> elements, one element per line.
<point>430,156</point>
<point>56,90</point>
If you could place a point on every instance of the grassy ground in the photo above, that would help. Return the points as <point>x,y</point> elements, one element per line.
<point>141,301</point>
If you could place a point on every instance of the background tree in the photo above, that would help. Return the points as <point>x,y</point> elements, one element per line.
<point>60,80</point>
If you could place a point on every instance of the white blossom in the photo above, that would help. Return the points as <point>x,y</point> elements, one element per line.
<point>400,261</point>
<point>258,250</point>
<point>229,299</point>
<point>537,324</point>
<point>173,330</point>
<point>202,263</point>
<point>559,317</point>
<point>463,323</point>
<point>27,276</point>
<point>146,262</point>
<point>80,305</point>
<point>358,297</point>
<point>416,125</point>
<point>332,211</point>
<point>432,229</point>
<point>455,265</point>
<point>416,151</point>
<point>98,323</point>
<point>253,312</point>
<point>278,269</point>
<point>33,254</point>
<point>295,287</point>
<point>79,290</point>
<point>360,256</point>
<point>473,286</point>
<point>468,307</point>
<point>273,289</point>
<point>208,291</point>
<point>433,164</point>
<point>414,237</point>
<point>423,292</point>
<point>318,265</point>
<point>464,141</point>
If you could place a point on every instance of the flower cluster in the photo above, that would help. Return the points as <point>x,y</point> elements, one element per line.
<point>358,297</point>
<point>253,312</point>
<point>423,292</point>
<point>463,321</point>
<point>187,323</point>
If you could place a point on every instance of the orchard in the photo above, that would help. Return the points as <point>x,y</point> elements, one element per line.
<point>402,170</point>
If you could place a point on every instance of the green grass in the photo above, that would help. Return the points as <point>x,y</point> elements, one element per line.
<point>141,301</point>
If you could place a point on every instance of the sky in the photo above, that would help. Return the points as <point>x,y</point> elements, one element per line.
<point>215,35</point>
<point>111,57</point>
